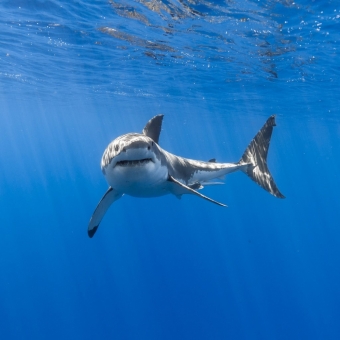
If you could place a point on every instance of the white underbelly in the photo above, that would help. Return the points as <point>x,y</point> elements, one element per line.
<point>148,180</point>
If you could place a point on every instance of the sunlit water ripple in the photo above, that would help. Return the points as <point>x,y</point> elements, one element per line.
<point>115,46</point>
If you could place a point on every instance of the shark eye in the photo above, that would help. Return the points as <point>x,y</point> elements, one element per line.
<point>148,147</point>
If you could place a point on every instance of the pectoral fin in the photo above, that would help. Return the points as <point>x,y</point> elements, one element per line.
<point>187,190</point>
<point>109,197</point>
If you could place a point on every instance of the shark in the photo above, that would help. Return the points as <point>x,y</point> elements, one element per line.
<point>134,164</point>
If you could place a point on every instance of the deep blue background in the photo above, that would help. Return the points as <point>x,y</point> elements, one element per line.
<point>164,268</point>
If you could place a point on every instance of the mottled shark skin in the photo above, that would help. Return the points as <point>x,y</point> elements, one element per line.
<point>134,164</point>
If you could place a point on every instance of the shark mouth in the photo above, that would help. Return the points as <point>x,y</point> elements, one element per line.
<point>138,162</point>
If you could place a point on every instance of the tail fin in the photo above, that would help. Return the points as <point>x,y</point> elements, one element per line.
<point>256,156</point>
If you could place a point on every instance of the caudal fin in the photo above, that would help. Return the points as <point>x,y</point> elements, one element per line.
<point>256,156</point>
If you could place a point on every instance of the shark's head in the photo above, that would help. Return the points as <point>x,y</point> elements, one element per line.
<point>134,149</point>
<point>129,151</point>
<point>134,163</point>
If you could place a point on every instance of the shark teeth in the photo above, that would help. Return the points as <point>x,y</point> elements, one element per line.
<point>138,162</point>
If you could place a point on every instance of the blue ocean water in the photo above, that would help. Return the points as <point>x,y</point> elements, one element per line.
<point>76,74</point>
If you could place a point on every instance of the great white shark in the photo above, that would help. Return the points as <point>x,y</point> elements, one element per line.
<point>134,164</point>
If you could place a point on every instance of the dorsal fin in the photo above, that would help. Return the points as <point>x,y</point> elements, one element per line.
<point>153,127</point>
<point>213,160</point>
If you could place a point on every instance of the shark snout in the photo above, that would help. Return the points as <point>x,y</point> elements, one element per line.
<point>131,149</point>
<point>137,153</point>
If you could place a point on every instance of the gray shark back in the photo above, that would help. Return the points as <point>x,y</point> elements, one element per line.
<point>192,171</point>
<point>253,162</point>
